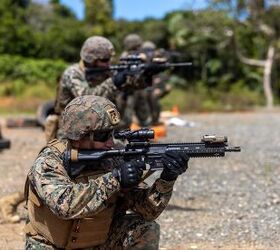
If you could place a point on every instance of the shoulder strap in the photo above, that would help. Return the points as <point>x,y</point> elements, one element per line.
<point>58,145</point>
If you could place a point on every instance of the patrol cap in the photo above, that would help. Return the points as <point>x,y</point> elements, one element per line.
<point>88,113</point>
<point>96,47</point>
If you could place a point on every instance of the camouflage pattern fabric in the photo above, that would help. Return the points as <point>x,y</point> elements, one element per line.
<point>127,232</point>
<point>136,102</point>
<point>66,198</point>
<point>124,104</point>
<point>132,42</point>
<point>88,113</point>
<point>154,105</point>
<point>159,89</point>
<point>96,47</point>
<point>141,107</point>
<point>148,45</point>
<point>74,83</point>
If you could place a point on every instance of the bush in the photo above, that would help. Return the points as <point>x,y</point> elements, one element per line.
<point>202,98</point>
<point>19,74</point>
<point>30,71</point>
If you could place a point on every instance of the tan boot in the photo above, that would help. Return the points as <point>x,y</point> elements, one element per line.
<point>8,205</point>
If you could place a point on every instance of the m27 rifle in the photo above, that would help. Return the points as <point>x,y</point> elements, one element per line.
<point>135,64</point>
<point>140,148</point>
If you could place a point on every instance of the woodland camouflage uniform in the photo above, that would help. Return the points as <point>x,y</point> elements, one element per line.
<point>136,102</point>
<point>74,81</point>
<point>128,216</point>
<point>160,86</point>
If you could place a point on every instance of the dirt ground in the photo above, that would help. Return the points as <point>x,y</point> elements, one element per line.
<point>221,203</point>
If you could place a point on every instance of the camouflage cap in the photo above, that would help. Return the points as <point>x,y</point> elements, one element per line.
<point>132,42</point>
<point>96,47</point>
<point>148,45</point>
<point>88,113</point>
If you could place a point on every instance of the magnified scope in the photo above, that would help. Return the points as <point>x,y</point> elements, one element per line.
<point>135,135</point>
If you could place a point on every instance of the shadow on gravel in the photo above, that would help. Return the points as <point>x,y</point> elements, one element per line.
<point>186,209</point>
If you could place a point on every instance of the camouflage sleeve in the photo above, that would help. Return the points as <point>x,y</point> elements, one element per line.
<point>150,202</point>
<point>80,87</point>
<point>65,198</point>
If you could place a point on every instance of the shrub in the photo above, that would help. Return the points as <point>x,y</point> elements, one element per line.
<point>28,77</point>
<point>26,71</point>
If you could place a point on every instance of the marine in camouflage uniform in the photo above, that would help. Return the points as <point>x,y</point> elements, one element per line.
<point>136,102</point>
<point>159,87</point>
<point>95,52</point>
<point>105,208</point>
<point>74,81</point>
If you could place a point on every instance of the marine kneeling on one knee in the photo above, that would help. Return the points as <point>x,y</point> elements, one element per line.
<point>109,207</point>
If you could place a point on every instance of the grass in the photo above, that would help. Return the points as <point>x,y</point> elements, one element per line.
<point>197,99</point>
<point>201,100</point>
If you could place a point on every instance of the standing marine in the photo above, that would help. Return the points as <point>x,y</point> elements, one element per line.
<point>109,207</point>
<point>159,87</point>
<point>136,102</point>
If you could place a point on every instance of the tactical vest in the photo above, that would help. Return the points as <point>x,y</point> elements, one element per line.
<point>72,233</point>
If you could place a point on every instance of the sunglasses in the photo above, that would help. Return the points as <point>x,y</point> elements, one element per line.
<point>104,60</point>
<point>101,136</point>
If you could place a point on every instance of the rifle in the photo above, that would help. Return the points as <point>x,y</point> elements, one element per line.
<point>140,148</point>
<point>134,64</point>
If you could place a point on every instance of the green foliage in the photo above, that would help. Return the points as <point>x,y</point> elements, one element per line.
<point>99,15</point>
<point>200,98</point>
<point>23,73</point>
<point>218,80</point>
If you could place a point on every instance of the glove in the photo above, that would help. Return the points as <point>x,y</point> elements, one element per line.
<point>175,163</point>
<point>129,174</point>
<point>153,68</point>
<point>120,78</point>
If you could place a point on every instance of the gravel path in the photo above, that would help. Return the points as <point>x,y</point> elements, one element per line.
<point>220,203</point>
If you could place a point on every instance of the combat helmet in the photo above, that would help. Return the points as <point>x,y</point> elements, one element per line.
<point>132,42</point>
<point>148,45</point>
<point>96,47</point>
<point>88,113</point>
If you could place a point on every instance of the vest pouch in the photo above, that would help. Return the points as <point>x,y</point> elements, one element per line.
<point>88,232</point>
<point>44,222</point>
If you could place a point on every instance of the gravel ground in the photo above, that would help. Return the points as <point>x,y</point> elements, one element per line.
<point>220,203</point>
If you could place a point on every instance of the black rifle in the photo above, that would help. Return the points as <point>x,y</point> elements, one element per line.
<point>134,64</point>
<point>141,149</point>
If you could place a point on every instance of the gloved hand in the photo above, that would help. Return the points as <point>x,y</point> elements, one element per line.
<point>129,174</point>
<point>175,163</point>
<point>120,78</point>
<point>153,68</point>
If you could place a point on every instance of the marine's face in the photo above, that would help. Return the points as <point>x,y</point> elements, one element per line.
<point>89,144</point>
<point>100,63</point>
<point>101,140</point>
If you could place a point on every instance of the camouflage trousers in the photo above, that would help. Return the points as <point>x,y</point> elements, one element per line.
<point>154,104</point>
<point>127,232</point>
<point>134,104</point>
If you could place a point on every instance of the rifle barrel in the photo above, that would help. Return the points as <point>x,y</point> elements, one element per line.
<point>183,64</point>
<point>232,149</point>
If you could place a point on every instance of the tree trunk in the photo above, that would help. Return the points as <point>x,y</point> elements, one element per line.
<point>267,77</point>
<point>267,65</point>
